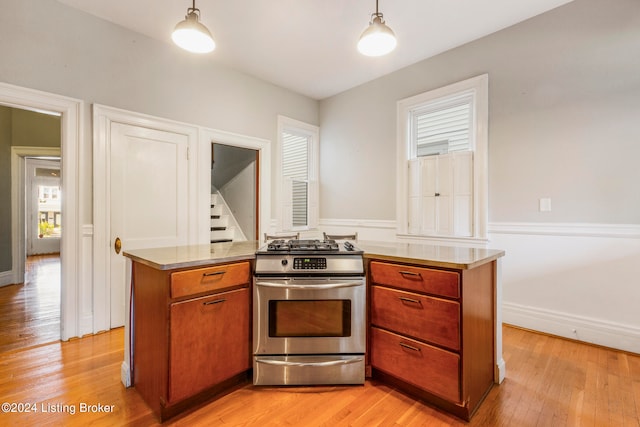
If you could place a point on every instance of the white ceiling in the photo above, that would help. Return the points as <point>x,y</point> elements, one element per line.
<point>309,46</point>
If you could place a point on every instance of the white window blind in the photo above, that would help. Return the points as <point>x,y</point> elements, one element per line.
<point>295,168</point>
<point>442,173</point>
<point>441,126</point>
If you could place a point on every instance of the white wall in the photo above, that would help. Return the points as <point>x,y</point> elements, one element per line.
<point>239,193</point>
<point>563,123</point>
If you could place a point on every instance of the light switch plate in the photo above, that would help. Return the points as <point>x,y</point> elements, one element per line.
<point>545,204</point>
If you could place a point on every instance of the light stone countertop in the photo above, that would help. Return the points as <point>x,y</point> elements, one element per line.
<point>455,257</point>
<point>171,258</point>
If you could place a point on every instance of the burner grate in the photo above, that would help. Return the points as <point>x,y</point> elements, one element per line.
<point>303,245</point>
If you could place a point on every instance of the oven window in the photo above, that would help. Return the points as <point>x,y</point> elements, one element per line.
<point>310,318</point>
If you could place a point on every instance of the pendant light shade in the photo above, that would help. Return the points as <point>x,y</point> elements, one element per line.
<point>377,39</point>
<point>191,35</point>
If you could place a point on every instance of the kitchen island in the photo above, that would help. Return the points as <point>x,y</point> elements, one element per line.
<point>192,325</point>
<point>435,326</point>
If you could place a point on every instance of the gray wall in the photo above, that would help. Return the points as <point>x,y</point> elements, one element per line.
<point>51,47</point>
<point>26,129</point>
<point>564,103</point>
<point>5,189</point>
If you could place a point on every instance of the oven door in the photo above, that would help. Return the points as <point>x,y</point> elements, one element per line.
<point>302,316</point>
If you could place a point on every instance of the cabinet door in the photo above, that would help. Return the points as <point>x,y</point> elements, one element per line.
<point>209,342</point>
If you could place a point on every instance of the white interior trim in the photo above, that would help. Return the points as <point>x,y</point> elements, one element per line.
<point>71,128</point>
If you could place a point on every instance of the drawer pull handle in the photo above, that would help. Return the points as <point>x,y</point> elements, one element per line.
<point>218,301</point>
<point>411,300</point>
<point>410,273</point>
<point>409,347</point>
<point>215,273</point>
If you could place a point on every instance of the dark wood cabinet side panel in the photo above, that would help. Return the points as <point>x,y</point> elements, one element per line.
<point>426,318</point>
<point>150,334</point>
<point>209,342</point>
<point>479,332</point>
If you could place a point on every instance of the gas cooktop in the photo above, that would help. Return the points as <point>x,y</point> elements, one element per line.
<point>326,257</point>
<point>302,246</point>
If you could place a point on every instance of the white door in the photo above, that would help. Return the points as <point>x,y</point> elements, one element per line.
<point>148,198</point>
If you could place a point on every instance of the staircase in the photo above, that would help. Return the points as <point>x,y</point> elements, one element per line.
<point>224,227</point>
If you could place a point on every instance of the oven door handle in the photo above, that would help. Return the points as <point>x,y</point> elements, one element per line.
<point>357,359</point>
<point>291,285</point>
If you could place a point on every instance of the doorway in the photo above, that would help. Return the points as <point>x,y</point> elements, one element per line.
<point>31,309</point>
<point>71,124</point>
<point>234,183</point>
<point>43,213</point>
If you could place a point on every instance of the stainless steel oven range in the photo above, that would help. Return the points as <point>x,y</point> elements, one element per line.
<point>308,313</point>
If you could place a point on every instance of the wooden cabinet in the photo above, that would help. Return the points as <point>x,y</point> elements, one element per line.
<point>432,332</point>
<point>191,333</point>
<point>209,342</point>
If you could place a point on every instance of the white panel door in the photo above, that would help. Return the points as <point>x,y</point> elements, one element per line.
<point>444,190</point>
<point>148,198</point>
<point>415,216</point>
<point>463,202</point>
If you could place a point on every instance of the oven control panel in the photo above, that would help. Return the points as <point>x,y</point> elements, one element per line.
<point>309,263</point>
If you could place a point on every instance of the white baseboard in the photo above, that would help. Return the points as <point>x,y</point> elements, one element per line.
<point>7,278</point>
<point>500,371</point>
<point>125,374</point>
<point>588,330</point>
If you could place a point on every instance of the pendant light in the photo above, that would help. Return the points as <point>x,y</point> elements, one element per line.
<point>191,35</point>
<point>377,39</point>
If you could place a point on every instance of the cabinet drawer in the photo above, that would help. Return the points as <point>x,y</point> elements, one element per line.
<point>429,368</point>
<point>438,282</point>
<point>209,342</point>
<point>200,280</point>
<point>430,319</point>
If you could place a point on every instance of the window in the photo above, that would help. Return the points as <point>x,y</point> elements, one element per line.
<point>295,170</point>
<point>49,212</point>
<point>442,162</point>
<point>298,166</point>
<point>442,126</point>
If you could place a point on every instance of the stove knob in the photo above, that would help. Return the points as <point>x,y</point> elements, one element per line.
<point>284,262</point>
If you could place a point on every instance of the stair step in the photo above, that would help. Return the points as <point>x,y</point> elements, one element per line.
<point>221,240</point>
<point>221,234</point>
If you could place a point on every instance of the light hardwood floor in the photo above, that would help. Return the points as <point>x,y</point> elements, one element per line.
<point>550,382</point>
<point>30,312</point>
